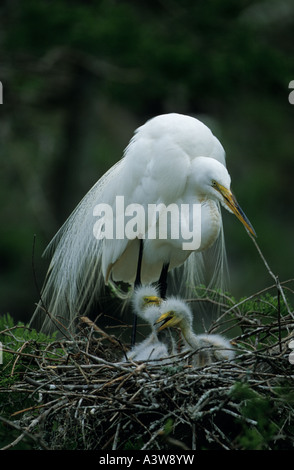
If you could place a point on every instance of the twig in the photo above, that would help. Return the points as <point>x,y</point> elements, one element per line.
<point>116,436</point>
<point>24,433</point>
<point>276,278</point>
<point>108,404</point>
<point>96,328</point>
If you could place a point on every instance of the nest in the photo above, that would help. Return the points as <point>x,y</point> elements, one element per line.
<point>80,394</point>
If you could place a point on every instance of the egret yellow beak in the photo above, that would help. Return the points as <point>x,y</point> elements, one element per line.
<point>167,320</point>
<point>233,205</point>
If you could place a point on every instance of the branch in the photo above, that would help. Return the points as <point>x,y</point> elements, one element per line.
<point>276,278</point>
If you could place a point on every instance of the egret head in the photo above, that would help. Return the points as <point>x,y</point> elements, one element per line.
<point>176,314</point>
<point>145,297</point>
<point>212,179</point>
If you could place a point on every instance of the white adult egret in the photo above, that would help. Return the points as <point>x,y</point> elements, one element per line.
<point>158,345</point>
<point>172,159</point>
<point>209,347</point>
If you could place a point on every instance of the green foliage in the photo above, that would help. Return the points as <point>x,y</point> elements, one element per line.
<point>168,427</point>
<point>257,408</point>
<point>18,337</point>
<point>241,405</point>
<point>267,305</point>
<point>137,445</point>
<point>265,414</point>
<point>28,342</point>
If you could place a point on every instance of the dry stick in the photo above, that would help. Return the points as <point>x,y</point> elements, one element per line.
<point>277,285</point>
<point>279,289</point>
<point>276,278</point>
<point>116,436</point>
<point>177,443</point>
<point>250,297</point>
<point>113,365</point>
<point>152,438</point>
<point>279,322</point>
<point>203,401</point>
<point>32,425</point>
<point>19,351</point>
<point>33,408</point>
<point>15,327</point>
<point>98,330</point>
<point>24,433</point>
<point>194,437</point>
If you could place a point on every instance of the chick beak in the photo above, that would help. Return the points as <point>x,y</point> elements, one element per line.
<point>233,205</point>
<point>167,320</point>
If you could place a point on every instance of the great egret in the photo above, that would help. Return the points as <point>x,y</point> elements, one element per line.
<point>172,159</point>
<point>158,345</point>
<point>208,347</point>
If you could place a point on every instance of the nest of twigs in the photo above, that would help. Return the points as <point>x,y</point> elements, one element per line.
<point>82,396</point>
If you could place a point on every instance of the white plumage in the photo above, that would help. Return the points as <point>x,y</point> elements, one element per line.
<point>158,345</point>
<point>145,296</point>
<point>208,348</point>
<point>154,347</point>
<point>171,159</point>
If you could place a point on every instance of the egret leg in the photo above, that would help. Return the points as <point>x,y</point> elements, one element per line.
<point>139,265</point>
<point>136,284</point>
<point>162,282</point>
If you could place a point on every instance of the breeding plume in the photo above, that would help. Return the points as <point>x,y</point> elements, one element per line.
<point>172,160</point>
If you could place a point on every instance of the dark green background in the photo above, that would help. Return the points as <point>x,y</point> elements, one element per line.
<point>79,76</point>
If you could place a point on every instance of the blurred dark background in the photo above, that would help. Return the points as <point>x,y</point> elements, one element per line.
<point>79,76</point>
